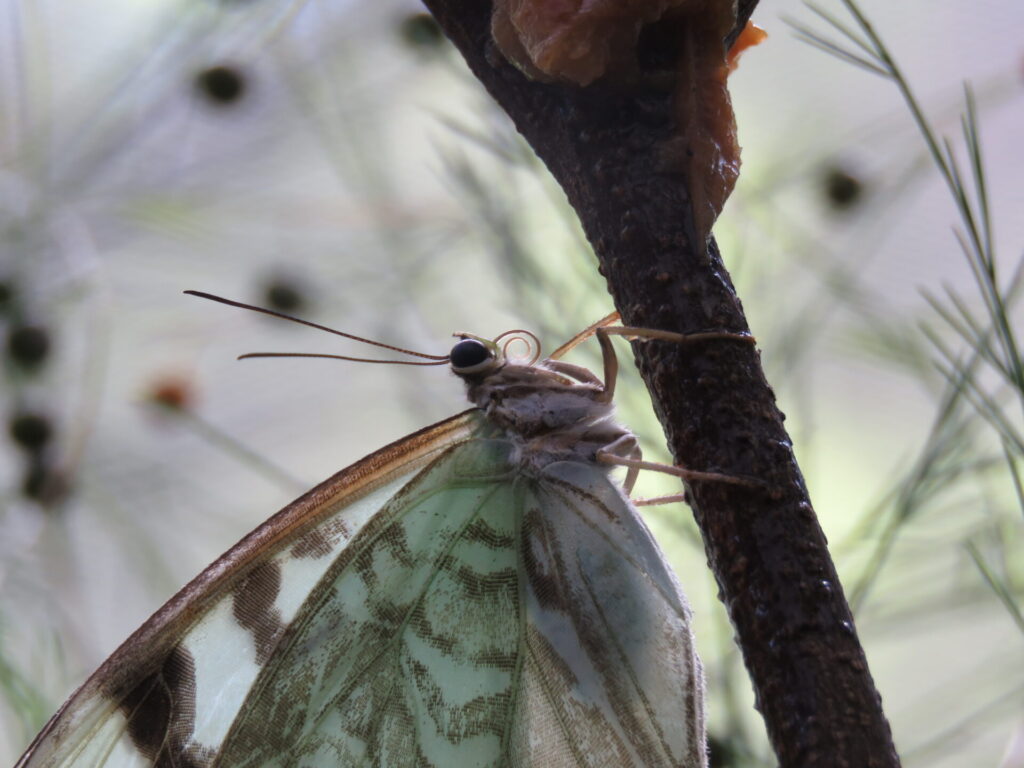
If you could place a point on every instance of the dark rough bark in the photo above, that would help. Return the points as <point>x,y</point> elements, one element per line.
<point>767,550</point>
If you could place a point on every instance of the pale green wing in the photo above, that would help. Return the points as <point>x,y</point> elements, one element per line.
<point>168,695</point>
<point>478,616</point>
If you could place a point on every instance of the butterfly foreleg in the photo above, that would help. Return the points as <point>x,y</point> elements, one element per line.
<point>611,369</point>
<point>680,338</point>
<point>603,332</point>
<point>611,361</point>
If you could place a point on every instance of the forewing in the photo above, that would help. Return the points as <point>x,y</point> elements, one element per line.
<point>170,694</point>
<point>609,674</point>
<point>405,653</point>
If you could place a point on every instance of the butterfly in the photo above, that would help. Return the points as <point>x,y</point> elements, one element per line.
<point>478,593</point>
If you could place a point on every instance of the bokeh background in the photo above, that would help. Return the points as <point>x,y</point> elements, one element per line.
<point>334,159</point>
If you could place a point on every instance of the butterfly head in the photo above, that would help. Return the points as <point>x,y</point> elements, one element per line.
<point>476,357</point>
<point>473,356</point>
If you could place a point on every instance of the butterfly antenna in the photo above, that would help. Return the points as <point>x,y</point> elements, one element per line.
<point>249,355</point>
<point>437,359</point>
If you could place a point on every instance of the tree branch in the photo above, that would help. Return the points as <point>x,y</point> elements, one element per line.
<point>767,550</point>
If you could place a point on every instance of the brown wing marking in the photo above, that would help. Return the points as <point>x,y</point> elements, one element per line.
<point>253,606</point>
<point>160,714</point>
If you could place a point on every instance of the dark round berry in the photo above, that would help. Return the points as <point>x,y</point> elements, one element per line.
<point>843,190</point>
<point>32,431</point>
<point>419,30</point>
<point>284,295</point>
<point>28,345</point>
<point>222,85</point>
<point>172,392</point>
<point>467,353</point>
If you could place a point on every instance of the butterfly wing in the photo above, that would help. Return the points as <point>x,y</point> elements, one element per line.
<point>186,672</point>
<point>459,613</point>
<point>610,676</point>
<point>487,617</point>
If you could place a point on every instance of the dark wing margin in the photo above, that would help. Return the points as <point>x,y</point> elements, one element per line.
<point>140,669</point>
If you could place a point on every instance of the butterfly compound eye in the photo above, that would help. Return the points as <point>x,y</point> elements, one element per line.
<point>470,356</point>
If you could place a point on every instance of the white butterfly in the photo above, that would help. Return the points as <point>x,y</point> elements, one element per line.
<point>478,593</point>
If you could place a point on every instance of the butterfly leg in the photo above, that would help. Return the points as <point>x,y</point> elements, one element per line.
<point>603,331</point>
<point>680,338</point>
<point>611,369</point>
<point>578,372</point>
<point>604,334</point>
<point>625,451</point>
<point>607,456</point>
<point>583,335</point>
<point>622,449</point>
<point>611,360</point>
<point>605,325</point>
<point>677,497</point>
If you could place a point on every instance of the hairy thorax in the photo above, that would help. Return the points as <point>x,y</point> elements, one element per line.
<point>549,416</point>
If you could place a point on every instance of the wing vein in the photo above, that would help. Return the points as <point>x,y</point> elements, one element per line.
<point>517,675</point>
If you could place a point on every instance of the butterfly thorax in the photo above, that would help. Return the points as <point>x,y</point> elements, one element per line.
<point>549,416</point>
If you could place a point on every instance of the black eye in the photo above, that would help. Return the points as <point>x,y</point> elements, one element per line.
<point>222,85</point>
<point>468,353</point>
